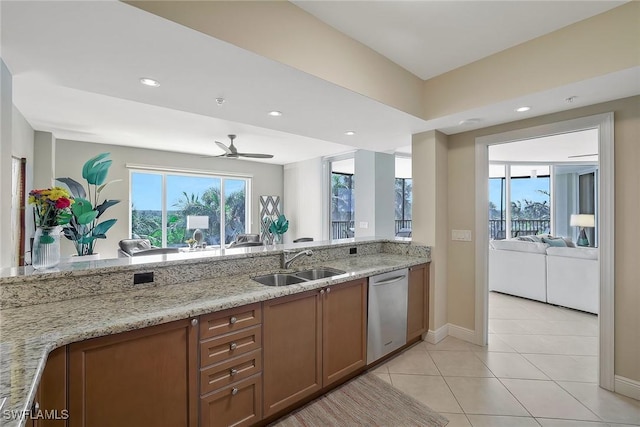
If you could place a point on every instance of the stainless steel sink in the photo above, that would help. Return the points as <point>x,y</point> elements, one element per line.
<point>278,279</point>
<point>318,273</point>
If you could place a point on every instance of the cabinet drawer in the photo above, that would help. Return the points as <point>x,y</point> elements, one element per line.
<point>230,371</point>
<point>223,322</point>
<point>217,349</point>
<point>237,405</point>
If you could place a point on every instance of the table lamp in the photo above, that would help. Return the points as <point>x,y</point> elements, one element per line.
<point>197,222</point>
<point>582,221</point>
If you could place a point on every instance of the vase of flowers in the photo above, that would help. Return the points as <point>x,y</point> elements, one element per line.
<point>52,209</point>
<point>84,227</point>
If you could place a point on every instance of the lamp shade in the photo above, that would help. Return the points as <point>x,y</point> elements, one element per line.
<point>582,220</point>
<point>197,221</point>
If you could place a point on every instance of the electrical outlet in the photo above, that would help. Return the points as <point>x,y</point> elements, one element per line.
<point>353,251</point>
<point>139,278</point>
<point>363,224</point>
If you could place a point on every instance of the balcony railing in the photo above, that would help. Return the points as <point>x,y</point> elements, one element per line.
<point>519,227</point>
<point>345,229</point>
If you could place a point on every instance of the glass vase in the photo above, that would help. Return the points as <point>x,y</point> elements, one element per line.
<point>46,247</point>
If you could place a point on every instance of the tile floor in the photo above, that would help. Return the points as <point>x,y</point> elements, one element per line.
<point>539,369</point>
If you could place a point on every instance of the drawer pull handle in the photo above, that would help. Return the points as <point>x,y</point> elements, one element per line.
<point>234,391</point>
<point>233,346</point>
<point>194,322</point>
<point>233,372</point>
<point>328,290</point>
<point>321,291</point>
<point>233,320</point>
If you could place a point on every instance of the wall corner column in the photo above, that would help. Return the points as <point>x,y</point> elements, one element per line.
<point>430,211</point>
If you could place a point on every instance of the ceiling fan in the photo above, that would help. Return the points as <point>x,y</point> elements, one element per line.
<point>232,152</point>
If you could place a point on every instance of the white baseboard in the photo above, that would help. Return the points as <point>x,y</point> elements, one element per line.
<point>462,333</point>
<point>434,337</point>
<point>627,387</point>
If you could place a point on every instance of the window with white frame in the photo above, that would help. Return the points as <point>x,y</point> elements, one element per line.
<point>162,201</point>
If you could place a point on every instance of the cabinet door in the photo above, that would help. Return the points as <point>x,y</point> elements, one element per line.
<point>418,303</point>
<point>292,348</point>
<point>146,377</point>
<point>51,396</point>
<point>344,330</point>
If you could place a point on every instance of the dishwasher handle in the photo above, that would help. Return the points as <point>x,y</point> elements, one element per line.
<point>389,280</point>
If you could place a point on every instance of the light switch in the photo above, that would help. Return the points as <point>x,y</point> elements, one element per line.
<point>461,235</point>
<point>364,224</point>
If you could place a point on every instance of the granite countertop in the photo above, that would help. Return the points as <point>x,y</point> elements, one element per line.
<point>28,334</point>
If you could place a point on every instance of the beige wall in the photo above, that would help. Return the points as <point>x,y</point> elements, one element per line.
<point>461,257</point>
<point>430,222</point>
<point>71,155</point>
<point>281,31</point>
<point>594,47</point>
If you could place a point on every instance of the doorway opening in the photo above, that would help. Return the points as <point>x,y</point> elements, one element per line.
<point>603,184</point>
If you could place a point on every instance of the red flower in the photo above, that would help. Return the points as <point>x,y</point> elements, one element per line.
<point>63,203</point>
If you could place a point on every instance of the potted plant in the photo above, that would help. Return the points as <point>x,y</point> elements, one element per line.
<point>84,227</point>
<point>278,228</point>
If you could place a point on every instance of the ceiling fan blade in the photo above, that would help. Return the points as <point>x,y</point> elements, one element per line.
<point>224,147</point>
<point>256,155</point>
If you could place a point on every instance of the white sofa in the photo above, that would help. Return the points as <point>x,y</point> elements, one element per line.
<point>563,276</point>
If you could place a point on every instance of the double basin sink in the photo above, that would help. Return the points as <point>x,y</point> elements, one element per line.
<point>284,279</point>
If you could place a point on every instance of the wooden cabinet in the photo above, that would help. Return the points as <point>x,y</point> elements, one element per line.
<point>312,340</point>
<point>51,395</point>
<point>418,303</point>
<point>146,377</point>
<point>344,330</point>
<point>231,367</point>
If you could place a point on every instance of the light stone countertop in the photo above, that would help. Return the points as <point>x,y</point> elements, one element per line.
<point>29,333</point>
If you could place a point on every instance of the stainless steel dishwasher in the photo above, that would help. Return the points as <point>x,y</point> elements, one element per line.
<point>387,329</point>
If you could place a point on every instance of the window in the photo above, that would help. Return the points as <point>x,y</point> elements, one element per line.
<point>403,203</point>
<point>161,202</point>
<point>342,205</point>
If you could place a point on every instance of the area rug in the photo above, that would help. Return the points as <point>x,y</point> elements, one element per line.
<point>364,401</point>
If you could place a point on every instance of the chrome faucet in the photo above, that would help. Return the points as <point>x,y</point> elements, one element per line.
<point>287,260</point>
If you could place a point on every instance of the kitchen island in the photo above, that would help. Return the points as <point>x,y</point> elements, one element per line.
<point>43,311</point>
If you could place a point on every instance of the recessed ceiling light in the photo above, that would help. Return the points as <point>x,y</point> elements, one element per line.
<point>275,113</point>
<point>350,133</point>
<point>472,121</point>
<point>149,82</point>
<point>523,109</point>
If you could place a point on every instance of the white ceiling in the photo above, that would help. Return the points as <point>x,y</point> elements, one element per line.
<point>429,38</point>
<point>76,67</point>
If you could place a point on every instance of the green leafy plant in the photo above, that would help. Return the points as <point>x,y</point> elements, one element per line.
<point>279,226</point>
<point>84,227</point>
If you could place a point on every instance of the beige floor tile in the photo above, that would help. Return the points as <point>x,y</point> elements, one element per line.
<point>459,364</point>
<point>509,326</point>
<point>486,396</point>
<point>494,343</point>
<point>384,377</point>
<point>548,400</point>
<point>381,369</point>
<point>510,365</point>
<point>549,344</point>
<point>611,407</point>
<point>501,421</point>
<point>566,368</point>
<point>413,361</point>
<point>449,344</point>
<point>549,422</point>
<point>513,313</point>
<point>430,390</point>
<point>456,420</point>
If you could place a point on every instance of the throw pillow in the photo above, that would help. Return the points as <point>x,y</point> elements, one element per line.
<point>558,242</point>
<point>569,242</point>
